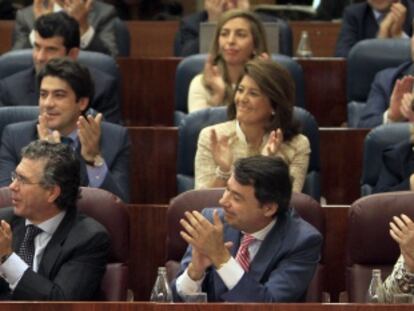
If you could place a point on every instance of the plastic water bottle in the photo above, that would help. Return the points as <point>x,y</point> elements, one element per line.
<point>161,292</point>
<point>375,290</point>
<point>304,46</point>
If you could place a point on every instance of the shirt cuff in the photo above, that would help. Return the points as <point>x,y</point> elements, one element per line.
<point>13,269</point>
<point>87,37</point>
<point>385,119</point>
<point>96,174</point>
<point>32,38</point>
<point>185,285</point>
<point>230,273</point>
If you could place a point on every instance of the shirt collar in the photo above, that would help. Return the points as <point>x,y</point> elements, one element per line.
<point>262,233</point>
<point>49,226</point>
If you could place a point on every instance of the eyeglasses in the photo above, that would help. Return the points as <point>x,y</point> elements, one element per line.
<point>21,179</point>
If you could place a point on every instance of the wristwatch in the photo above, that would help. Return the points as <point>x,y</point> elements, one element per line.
<point>98,161</point>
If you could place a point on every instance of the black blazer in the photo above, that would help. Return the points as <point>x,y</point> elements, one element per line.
<point>73,262</point>
<point>359,23</point>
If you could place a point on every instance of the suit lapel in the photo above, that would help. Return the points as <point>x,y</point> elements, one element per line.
<point>270,246</point>
<point>54,247</point>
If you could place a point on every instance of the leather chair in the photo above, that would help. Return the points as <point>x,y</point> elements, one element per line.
<point>108,210</point>
<point>18,60</point>
<point>123,38</point>
<point>13,114</point>
<point>364,61</point>
<point>308,208</point>
<point>191,126</point>
<point>375,142</point>
<point>285,38</point>
<point>192,65</point>
<point>369,244</point>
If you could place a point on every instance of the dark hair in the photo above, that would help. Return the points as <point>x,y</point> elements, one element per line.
<point>269,177</point>
<point>259,42</point>
<point>76,75</point>
<point>62,169</point>
<point>276,83</point>
<point>59,24</point>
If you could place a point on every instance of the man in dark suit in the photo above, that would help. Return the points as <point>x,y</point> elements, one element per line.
<point>391,96</point>
<point>49,251</point>
<point>374,19</point>
<point>57,35</point>
<point>95,18</point>
<point>255,249</point>
<point>397,171</point>
<point>66,89</point>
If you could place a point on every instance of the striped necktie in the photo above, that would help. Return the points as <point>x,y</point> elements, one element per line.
<point>243,256</point>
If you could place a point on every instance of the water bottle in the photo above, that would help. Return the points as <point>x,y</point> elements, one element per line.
<point>304,47</point>
<point>375,290</point>
<point>161,292</point>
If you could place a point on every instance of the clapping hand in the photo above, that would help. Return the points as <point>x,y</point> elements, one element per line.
<point>402,231</point>
<point>273,143</point>
<point>44,133</point>
<point>401,87</point>
<point>220,149</point>
<point>214,81</point>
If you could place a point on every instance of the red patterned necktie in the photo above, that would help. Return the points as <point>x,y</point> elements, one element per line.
<point>243,256</point>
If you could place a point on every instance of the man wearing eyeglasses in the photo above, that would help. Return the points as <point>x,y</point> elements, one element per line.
<point>49,251</point>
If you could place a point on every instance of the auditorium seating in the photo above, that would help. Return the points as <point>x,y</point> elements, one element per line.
<point>370,245</point>
<point>191,126</point>
<point>190,66</point>
<point>109,210</point>
<point>307,208</point>
<point>365,60</point>
<point>376,141</point>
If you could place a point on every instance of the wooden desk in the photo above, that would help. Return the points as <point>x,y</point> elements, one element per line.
<point>153,164</point>
<point>148,90</point>
<point>325,89</point>
<point>322,36</point>
<point>341,151</point>
<point>149,306</point>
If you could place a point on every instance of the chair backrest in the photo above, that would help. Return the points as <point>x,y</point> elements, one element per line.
<point>192,65</point>
<point>375,142</point>
<point>364,61</point>
<point>369,244</point>
<point>308,209</point>
<point>368,57</point>
<point>193,123</point>
<point>123,38</point>
<point>108,210</point>
<point>18,60</point>
<point>13,114</point>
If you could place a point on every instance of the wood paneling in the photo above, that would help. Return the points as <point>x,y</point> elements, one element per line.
<point>341,151</point>
<point>322,36</point>
<point>148,90</point>
<point>6,30</point>
<point>153,164</point>
<point>152,39</point>
<point>325,89</point>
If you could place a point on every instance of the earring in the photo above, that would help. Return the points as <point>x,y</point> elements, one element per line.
<point>273,112</point>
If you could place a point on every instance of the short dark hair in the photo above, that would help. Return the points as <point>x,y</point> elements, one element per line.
<point>76,75</point>
<point>62,168</point>
<point>59,24</point>
<point>269,177</point>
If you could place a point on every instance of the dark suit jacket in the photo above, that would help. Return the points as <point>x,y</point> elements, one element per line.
<point>114,148</point>
<point>281,270</point>
<point>187,38</point>
<point>73,262</point>
<point>379,96</point>
<point>397,167</point>
<point>101,18</point>
<point>359,23</point>
<point>20,89</point>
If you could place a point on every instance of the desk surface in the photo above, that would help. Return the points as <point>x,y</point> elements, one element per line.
<point>148,306</point>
